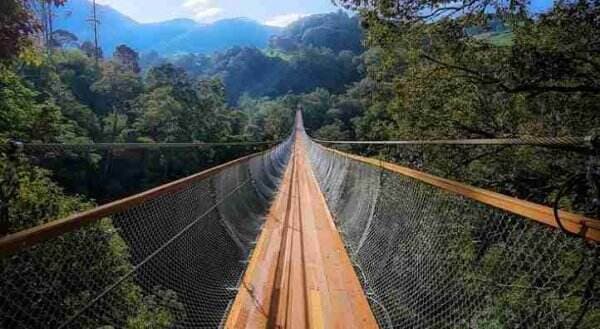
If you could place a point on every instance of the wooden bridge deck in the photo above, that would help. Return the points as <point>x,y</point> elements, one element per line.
<point>300,275</point>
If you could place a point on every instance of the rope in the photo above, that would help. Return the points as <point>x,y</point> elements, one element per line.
<point>583,142</point>
<point>588,141</point>
<point>128,146</point>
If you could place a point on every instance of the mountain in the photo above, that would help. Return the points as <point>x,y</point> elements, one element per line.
<point>166,38</point>
<point>317,51</point>
<point>337,31</point>
<point>220,35</point>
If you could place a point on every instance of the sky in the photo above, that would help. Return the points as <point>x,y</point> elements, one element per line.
<point>270,12</point>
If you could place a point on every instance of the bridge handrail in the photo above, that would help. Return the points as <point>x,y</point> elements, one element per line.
<point>28,237</point>
<point>574,223</point>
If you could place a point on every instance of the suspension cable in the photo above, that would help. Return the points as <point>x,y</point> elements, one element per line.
<point>588,141</point>
<point>127,146</point>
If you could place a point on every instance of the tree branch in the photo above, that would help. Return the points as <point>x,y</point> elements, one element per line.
<point>535,87</point>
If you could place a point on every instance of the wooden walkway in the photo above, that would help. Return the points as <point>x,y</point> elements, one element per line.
<point>300,275</point>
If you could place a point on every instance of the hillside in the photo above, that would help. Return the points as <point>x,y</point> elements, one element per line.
<point>336,31</point>
<point>317,51</point>
<point>166,38</point>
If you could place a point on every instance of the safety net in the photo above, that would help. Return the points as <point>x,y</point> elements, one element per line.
<point>170,257</point>
<point>428,255</point>
<point>432,258</point>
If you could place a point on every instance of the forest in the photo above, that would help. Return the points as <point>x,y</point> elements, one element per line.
<point>383,74</point>
<point>394,70</point>
<point>58,89</point>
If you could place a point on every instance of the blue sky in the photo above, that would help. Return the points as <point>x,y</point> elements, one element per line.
<point>540,5</point>
<point>272,12</point>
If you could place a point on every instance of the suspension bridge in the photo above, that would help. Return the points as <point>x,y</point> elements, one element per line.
<point>305,236</point>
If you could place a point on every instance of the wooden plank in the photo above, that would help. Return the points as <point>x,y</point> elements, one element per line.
<point>347,305</point>
<point>255,292</point>
<point>17,241</point>
<point>574,223</point>
<point>308,280</point>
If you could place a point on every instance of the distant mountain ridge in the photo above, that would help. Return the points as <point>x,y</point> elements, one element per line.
<point>166,38</point>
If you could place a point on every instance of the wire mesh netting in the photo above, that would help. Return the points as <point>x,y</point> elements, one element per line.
<point>173,260</point>
<point>432,259</point>
<point>427,258</point>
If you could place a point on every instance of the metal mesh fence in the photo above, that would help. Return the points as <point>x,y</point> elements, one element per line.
<point>433,259</point>
<point>171,261</point>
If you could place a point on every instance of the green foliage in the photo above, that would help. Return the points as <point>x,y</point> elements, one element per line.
<point>38,200</point>
<point>156,311</point>
<point>65,96</point>
<point>17,24</point>
<point>501,39</point>
<point>22,116</point>
<point>269,119</point>
<point>258,74</point>
<point>68,98</point>
<point>335,31</point>
<point>127,58</point>
<point>440,80</point>
<point>476,75</point>
<point>319,51</point>
<point>436,79</point>
<point>117,88</point>
<point>333,131</point>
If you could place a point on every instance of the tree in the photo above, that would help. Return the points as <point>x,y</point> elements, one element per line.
<point>22,117</point>
<point>117,87</point>
<point>161,117</point>
<point>336,31</point>
<point>195,65</point>
<point>423,11</point>
<point>178,108</point>
<point>436,81</point>
<point>248,70</point>
<point>44,11</point>
<point>166,75</point>
<point>90,50</point>
<point>269,119</point>
<point>38,200</point>
<point>127,58</point>
<point>18,24</point>
<point>150,59</point>
<point>332,131</point>
<point>63,38</point>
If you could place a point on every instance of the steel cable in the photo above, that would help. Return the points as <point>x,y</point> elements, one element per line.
<point>435,259</point>
<point>588,141</point>
<point>168,260</point>
<point>32,147</point>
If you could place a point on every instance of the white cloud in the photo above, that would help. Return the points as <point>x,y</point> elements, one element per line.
<point>202,10</point>
<point>197,3</point>
<point>283,20</point>
<point>207,13</point>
